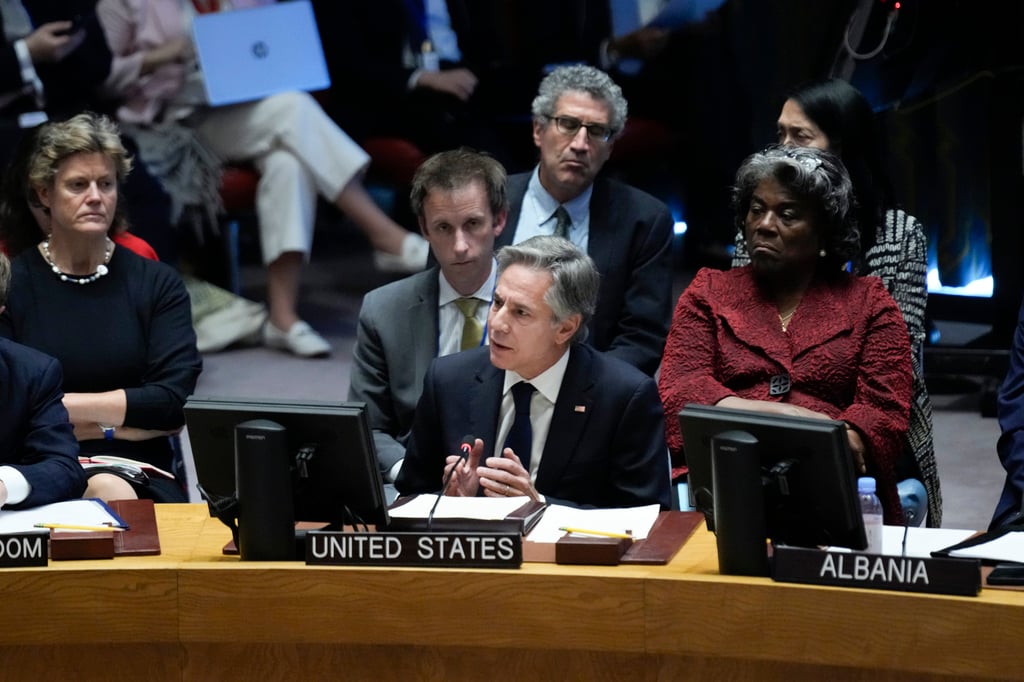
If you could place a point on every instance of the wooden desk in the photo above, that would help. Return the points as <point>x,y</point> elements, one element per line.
<point>109,619</point>
<point>193,613</point>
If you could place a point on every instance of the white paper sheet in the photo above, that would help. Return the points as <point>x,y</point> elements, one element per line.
<point>921,542</point>
<point>450,507</point>
<point>76,512</point>
<point>1007,547</point>
<point>636,520</point>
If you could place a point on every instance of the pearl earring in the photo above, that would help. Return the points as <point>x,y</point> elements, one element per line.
<point>822,253</point>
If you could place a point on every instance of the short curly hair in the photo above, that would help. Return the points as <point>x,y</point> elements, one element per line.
<point>813,176</point>
<point>86,133</point>
<point>34,163</point>
<point>580,78</point>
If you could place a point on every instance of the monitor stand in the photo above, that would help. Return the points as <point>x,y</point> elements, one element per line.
<point>738,492</point>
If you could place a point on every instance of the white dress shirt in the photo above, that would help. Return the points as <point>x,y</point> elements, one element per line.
<point>450,319</point>
<point>542,408</point>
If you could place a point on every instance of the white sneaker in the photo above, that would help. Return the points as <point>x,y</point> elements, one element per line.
<point>413,258</point>
<point>301,340</point>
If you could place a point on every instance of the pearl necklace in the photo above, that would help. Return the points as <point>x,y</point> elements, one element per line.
<point>101,269</point>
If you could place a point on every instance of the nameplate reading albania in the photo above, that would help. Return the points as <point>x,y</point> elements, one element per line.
<point>453,550</point>
<point>851,569</point>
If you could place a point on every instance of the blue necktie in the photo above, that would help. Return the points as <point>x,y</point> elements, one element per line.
<point>520,436</point>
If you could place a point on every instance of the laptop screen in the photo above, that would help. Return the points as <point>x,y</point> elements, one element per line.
<point>250,54</point>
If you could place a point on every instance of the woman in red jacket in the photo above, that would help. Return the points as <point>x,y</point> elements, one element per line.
<point>794,332</point>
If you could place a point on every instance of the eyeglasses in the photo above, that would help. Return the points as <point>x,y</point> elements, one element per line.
<point>568,125</point>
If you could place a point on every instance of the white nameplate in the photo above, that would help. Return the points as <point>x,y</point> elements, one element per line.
<point>455,550</point>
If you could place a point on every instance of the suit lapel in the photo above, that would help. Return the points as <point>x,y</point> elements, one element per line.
<point>604,238</point>
<point>569,421</point>
<point>485,404</point>
<point>821,319</point>
<point>421,325</point>
<point>517,185</point>
<point>755,321</point>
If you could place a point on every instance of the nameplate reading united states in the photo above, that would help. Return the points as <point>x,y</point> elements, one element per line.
<point>24,549</point>
<point>876,571</point>
<point>453,550</point>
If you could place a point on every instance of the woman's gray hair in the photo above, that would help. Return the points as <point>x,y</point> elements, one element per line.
<point>86,133</point>
<point>580,78</point>
<point>5,278</point>
<point>575,279</point>
<point>813,176</point>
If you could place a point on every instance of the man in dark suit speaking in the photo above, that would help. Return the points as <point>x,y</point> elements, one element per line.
<point>577,114</point>
<point>576,426</point>
<point>38,450</point>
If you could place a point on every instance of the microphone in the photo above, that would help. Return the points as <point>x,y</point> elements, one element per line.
<point>464,448</point>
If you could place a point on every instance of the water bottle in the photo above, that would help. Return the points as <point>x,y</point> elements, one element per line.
<point>871,510</point>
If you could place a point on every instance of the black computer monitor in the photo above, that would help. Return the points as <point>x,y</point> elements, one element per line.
<point>338,480</point>
<point>802,466</point>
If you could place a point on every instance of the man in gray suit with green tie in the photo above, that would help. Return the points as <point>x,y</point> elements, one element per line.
<point>460,200</point>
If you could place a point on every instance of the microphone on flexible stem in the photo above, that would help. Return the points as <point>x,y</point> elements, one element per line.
<point>464,448</point>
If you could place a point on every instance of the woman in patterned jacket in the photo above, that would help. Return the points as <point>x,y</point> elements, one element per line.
<point>834,115</point>
<point>793,333</point>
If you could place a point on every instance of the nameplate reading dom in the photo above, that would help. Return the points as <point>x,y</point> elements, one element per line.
<point>24,549</point>
<point>451,550</point>
<point>850,569</point>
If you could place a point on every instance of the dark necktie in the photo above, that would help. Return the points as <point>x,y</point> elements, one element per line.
<point>520,436</point>
<point>562,222</point>
<point>416,14</point>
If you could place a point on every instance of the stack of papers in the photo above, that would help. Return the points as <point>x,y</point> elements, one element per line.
<point>73,512</point>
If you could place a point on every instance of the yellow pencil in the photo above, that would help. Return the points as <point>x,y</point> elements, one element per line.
<point>72,526</point>
<point>597,532</point>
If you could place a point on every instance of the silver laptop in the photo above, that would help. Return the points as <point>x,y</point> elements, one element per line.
<point>249,54</point>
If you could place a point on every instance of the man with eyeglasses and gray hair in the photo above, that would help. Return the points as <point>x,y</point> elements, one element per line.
<point>578,113</point>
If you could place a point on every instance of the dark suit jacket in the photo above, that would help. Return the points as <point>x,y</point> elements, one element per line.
<point>1010,410</point>
<point>364,41</point>
<point>35,435</point>
<point>505,43</point>
<point>631,244</point>
<point>70,84</point>
<point>609,454</point>
<point>396,340</point>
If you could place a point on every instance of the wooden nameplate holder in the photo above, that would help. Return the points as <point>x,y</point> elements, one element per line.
<point>141,538</point>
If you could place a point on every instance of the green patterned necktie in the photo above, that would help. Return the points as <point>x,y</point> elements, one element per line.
<point>472,330</point>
